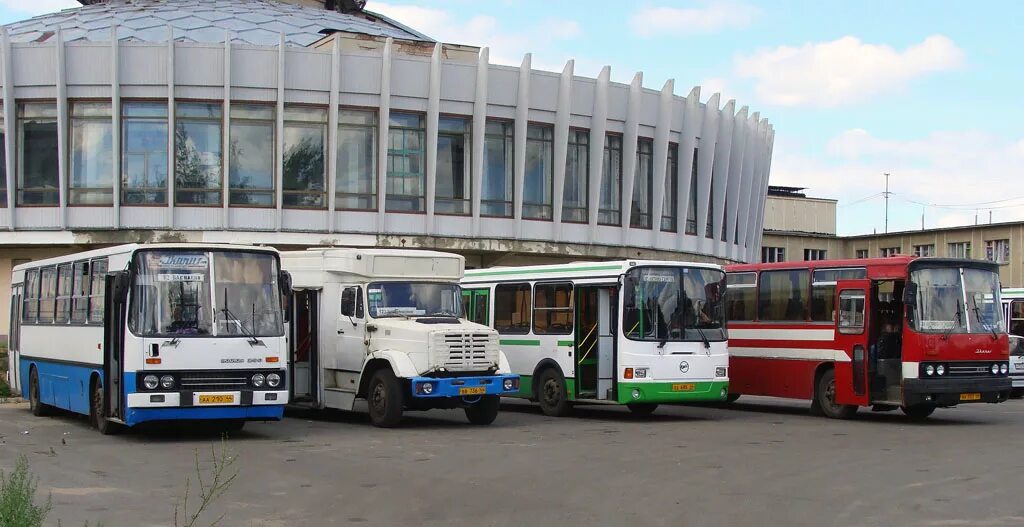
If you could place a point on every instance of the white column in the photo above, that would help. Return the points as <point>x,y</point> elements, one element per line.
<point>721,173</point>
<point>747,183</point>
<point>692,119</point>
<point>705,164</point>
<point>762,191</point>
<point>331,181</point>
<point>598,127</point>
<point>382,143</point>
<point>629,148</point>
<point>279,134</point>
<point>10,125</point>
<point>170,128</point>
<point>732,190</point>
<point>115,115</point>
<point>660,151</point>
<point>225,164</point>
<point>519,142</point>
<point>62,128</point>
<point>766,175</point>
<point>479,132</point>
<point>433,111</point>
<point>561,146</point>
<point>755,188</point>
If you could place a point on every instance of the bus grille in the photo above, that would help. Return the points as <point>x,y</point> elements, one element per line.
<point>467,351</point>
<point>217,380</point>
<point>969,369</point>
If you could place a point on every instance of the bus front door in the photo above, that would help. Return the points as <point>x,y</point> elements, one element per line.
<point>852,339</point>
<point>115,322</point>
<point>13,340</point>
<point>595,342</point>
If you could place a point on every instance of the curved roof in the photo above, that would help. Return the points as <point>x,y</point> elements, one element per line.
<point>259,22</point>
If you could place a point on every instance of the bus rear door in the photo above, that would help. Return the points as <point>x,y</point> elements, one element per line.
<point>852,340</point>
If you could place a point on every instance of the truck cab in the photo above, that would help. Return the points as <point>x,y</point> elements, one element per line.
<point>386,326</point>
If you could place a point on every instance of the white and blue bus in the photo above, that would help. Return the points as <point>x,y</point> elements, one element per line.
<point>154,332</point>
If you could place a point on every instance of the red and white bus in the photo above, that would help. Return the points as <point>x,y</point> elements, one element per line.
<point>900,332</point>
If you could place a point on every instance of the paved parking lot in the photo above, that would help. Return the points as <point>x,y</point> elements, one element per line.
<point>759,462</point>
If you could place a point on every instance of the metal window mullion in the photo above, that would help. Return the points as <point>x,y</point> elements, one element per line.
<point>171,168</point>
<point>115,117</point>
<point>225,155</point>
<point>62,130</point>
<point>278,175</point>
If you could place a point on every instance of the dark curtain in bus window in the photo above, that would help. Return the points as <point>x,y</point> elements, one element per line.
<point>783,295</point>
<point>512,308</point>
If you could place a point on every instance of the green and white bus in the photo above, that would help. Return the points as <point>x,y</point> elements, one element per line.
<point>633,332</point>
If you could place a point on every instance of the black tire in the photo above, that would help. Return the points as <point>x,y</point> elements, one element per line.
<point>551,394</point>
<point>642,409</point>
<point>385,399</point>
<point>825,397</point>
<point>96,416</point>
<point>732,397</point>
<point>918,412</point>
<point>484,411</point>
<point>35,404</point>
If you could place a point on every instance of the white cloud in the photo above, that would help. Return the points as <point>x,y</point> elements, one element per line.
<point>38,7</point>
<point>715,16</point>
<point>506,47</point>
<point>943,168</point>
<point>842,71</point>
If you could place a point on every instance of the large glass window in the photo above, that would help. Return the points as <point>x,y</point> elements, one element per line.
<point>305,142</point>
<point>643,185</point>
<point>823,291</point>
<point>674,304</point>
<point>197,153</point>
<point>30,306</point>
<point>144,153</point>
<point>924,250</point>
<point>940,306</point>
<point>773,254</point>
<point>1016,322</point>
<point>252,155</point>
<point>96,290</point>
<point>512,308</point>
<point>496,194</point>
<point>981,289</point>
<point>92,156</point>
<point>414,299</point>
<point>80,293</point>
<point>782,295</point>
<point>959,250</point>
<point>406,163</point>
<point>537,185</point>
<point>356,177</point>
<point>3,161</point>
<point>709,228</point>
<point>552,309</point>
<point>63,306</point>
<point>671,200</point>
<point>47,294</point>
<point>453,190</point>
<point>741,296</point>
<point>691,208</point>
<point>174,294</point>
<point>38,176</point>
<point>610,209</point>
<point>997,251</point>
<point>577,177</point>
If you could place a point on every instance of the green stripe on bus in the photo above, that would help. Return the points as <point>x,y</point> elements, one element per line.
<point>519,342</point>
<point>554,270</point>
<point>566,343</point>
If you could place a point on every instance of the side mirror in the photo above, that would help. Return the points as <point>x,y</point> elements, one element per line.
<point>348,302</point>
<point>284,283</point>
<point>910,294</point>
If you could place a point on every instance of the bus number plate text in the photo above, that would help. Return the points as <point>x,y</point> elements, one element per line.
<point>686,387</point>
<point>216,399</point>
<point>970,396</point>
<point>476,390</point>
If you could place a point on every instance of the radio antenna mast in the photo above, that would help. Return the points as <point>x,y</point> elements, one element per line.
<point>886,194</point>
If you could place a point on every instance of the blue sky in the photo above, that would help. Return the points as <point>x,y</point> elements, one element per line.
<point>930,92</point>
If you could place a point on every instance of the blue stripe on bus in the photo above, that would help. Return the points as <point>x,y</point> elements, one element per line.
<point>265,412</point>
<point>61,385</point>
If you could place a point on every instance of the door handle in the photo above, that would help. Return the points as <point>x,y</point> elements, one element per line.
<point>341,331</point>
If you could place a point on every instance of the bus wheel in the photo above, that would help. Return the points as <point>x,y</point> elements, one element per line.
<point>825,396</point>
<point>918,412</point>
<point>641,409</point>
<point>485,411</point>
<point>385,399</point>
<point>38,407</point>
<point>551,393</point>
<point>96,416</point>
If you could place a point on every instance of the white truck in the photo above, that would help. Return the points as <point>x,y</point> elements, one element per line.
<point>387,326</point>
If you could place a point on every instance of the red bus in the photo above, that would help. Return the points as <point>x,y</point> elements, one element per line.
<point>900,332</point>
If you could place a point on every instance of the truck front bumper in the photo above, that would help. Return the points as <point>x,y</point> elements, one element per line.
<point>435,387</point>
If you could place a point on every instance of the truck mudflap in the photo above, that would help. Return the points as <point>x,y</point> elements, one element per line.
<point>437,387</point>
<point>951,392</point>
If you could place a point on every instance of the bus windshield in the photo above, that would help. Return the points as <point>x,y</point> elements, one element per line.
<point>674,304</point>
<point>414,299</point>
<point>205,293</point>
<point>957,300</point>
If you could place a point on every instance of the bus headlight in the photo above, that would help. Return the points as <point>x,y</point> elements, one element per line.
<point>940,370</point>
<point>508,385</point>
<point>1004,369</point>
<point>273,380</point>
<point>929,370</point>
<point>167,382</point>
<point>721,371</point>
<point>639,373</point>
<point>258,380</point>
<point>994,369</point>
<point>150,382</point>
<point>428,388</point>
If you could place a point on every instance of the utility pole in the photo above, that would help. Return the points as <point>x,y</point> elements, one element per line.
<point>886,194</point>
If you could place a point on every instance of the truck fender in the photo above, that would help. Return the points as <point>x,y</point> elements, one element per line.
<point>400,362</point>
<point>503,365</point>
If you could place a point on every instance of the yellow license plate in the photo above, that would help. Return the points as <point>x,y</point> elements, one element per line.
<point>688,387</point>
<point>970,396</point>
<point>476,390</point>
<point>216,399</point>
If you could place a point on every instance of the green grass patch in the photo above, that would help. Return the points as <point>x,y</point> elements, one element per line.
<point>18,498</point>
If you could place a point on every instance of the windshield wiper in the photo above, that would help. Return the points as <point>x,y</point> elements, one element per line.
<point>977,315</point>
<point>953,323</point>
<point>251,335</point>
<point>703,337</point>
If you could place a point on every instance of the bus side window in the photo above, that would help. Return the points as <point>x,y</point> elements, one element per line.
<point>30,307</point>
<point>96,293</point>
<point>512,306</point>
